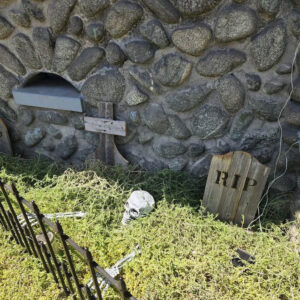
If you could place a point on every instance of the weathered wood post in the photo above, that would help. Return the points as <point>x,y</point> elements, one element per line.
<point>107,129</point>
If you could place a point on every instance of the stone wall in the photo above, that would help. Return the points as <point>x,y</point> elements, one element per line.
<point>192,78</point>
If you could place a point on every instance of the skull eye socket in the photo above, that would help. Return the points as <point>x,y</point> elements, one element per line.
<point>133,213</point>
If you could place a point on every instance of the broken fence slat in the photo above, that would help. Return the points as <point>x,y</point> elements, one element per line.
<point>105,126</point>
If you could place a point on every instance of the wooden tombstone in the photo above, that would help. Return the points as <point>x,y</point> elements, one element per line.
<point>234,186</point>
<point>5,145</point>
<point>107,128</point>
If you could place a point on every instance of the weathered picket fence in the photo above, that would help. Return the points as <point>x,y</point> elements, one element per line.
<point>64,272</point>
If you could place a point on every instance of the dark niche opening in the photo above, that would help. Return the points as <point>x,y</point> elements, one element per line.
<point>49,91</point>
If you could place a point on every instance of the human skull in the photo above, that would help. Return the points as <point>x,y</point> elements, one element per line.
<point>139,204</point>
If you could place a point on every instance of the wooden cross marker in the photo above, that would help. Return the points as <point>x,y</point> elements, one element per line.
<point>234,186</point>
<point>5,145</point>
<point>107,129</point>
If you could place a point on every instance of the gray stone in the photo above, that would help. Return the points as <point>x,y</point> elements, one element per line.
<point>65,52</point>
<point>85,62</point>
<point>34,136</point>
<point>268,46</point>
<point>292,114</point>
<point>92,138</point>
<point>26,116</point>
<point>284,69</point>
<point>20,18</point>
<point>75,26</point>
<point>240,124</point>
<point>6,29</point>
<point>59,12</point>
<point>10,61</point>
<point>7,82</point>
<point>195,7</point>
<point>296,90</point>
<point>266,108</point>
<point>114,54</point>
<point>293,158</point>
<point>273,87</point>
<point>43,42</point>
<point>201,167</point>
<point>122,17</point>
<point>187,98</point>
<point>178,129</point>
<point>261,138</point>
<point>33,10</point>
<point>209,122</point>
<point>290,134</point>
<point>177,164</point>
<point>53,117</point>
<point>145,135</point>
<point>122,140</point>
<point>67,147</point>
<point>232,93</point>
<point>49,145</point>
<point>134,117</point>
<point>6,112</point>
<point>152,165</point>
<point>293,21</point>
<point>235,22</point>
<point>172,70</point>
<point>26,51</point>
<point>263,155</point>
<point>77,121</point>
<point>155,118</point>
<point>91,7</point>
<point>285,184</point>
<point>107,87</point>
<point>196,150</point>
<point>269,7</point>
<point>222,147</point>
<point>136,96</point>
<point>253,81</point>
<point>164,10</point>
<point>54,132</point>
<point>218,62</point>
<point>167,149</point>
<point>95,32</point>
<point>192,40</point>
<point>145,79</point>
<point>155,33</point>
<point>139,51</point>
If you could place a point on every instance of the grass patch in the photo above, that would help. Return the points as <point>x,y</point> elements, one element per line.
<point>185,254</point>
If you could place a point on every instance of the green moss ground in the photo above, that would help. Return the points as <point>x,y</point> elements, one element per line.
<point>185,254</point>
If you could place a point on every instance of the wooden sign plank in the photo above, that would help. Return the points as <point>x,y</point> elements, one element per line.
<point>107,126</point>
<point>5,145</point>
<point>234,186</point>
<point>247,207</point>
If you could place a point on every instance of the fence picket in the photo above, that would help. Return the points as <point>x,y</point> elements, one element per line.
<point>68,277</point>
<point>37,250</point>
<point>3,221</point>
<point>47,256</point>
<point>90,261</point>
<point>40,221</point>
<point>63,238</point>
<point>27,238</point>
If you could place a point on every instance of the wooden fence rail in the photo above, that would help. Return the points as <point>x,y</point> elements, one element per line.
<point>64,273</point>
